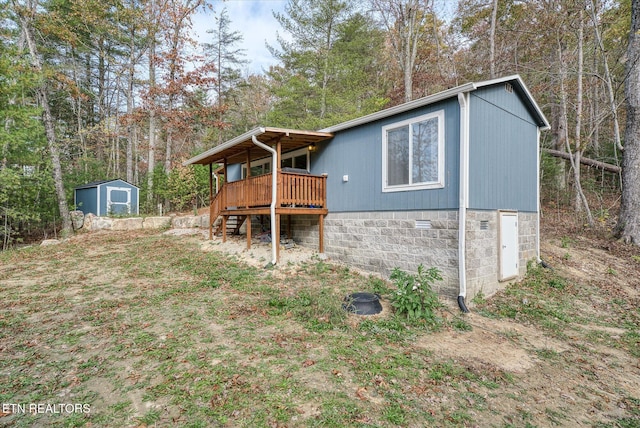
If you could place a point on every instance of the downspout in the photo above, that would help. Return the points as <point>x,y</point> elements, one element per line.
<point>538,196</point>
<point>539,205</point>
<point>274,194</point>
<point>464,198</point>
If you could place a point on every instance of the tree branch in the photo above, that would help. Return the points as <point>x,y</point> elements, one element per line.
<point>585,161</point>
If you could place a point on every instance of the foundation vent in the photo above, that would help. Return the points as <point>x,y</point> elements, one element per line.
<point>423,224</point>
<point>484,224</point>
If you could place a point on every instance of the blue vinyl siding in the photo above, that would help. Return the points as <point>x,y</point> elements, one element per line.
<point>502,151</point>
<point>86,200</point>
<point>357,152</point>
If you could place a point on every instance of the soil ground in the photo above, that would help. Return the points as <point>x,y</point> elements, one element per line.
<point>153,330</point>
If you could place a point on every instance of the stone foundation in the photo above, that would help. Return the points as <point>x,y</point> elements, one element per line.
<point>381,241</point>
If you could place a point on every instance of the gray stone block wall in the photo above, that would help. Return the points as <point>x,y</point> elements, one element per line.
<point>528,240</point>
<point>382,241</point>
<point>482,254</point>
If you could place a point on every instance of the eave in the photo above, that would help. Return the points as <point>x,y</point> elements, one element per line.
<point>235,150</point>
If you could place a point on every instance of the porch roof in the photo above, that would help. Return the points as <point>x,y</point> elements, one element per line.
<point>235,150</point>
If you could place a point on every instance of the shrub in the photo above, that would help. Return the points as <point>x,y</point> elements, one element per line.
<point>414,297</point>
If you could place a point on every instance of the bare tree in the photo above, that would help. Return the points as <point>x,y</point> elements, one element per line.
<point>25,14</point>
<point>405,22</point>
<point>492,39</point>
<point>581,200</point>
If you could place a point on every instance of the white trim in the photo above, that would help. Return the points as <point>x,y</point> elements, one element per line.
<point>463,190</point>
<point>441,155</point>
<point>118,189</point>
<point>224,146</point>
<point>267,160</point>
<point>524,88</point>
<point>538,197</point>
<point>446,94</point>
<point>401,108</point>
<point>98,201</point>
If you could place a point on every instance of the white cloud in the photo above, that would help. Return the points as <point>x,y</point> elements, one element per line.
<point>254,20</point>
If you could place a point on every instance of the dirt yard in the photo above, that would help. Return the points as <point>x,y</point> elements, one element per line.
<point>144,329</point>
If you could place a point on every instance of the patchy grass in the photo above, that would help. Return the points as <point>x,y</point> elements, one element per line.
<point>148,330</point>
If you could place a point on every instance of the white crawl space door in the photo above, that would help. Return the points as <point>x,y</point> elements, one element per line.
<point>508,245</point>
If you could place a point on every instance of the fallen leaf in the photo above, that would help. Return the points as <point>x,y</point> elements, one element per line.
<point>360,393</point>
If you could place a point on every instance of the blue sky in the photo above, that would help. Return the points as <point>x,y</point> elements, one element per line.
<point>254,20</point>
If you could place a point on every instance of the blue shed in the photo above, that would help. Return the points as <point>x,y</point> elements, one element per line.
<point>107,197</point>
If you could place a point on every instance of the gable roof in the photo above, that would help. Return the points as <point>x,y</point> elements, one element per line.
<point>514,80</point>
<point>98,183</point>
<point>235,150</point>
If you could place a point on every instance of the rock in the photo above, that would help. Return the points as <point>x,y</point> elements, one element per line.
<point>77,219</point>
<point>88,221</point>
<point>132,223</point>
<point>182,232</point>
<point>185,222</point>
<point>204,221</point>
<point>156,222</point>
<point>101,223</point>
<point>48,242</point>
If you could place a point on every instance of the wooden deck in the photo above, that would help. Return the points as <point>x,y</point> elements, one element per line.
<point>297,194</point>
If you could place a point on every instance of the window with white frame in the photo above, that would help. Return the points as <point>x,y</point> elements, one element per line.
<point>413,154</point>
<point>295,159</point>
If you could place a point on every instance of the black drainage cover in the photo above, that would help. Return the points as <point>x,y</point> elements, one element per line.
<point>362,303</point>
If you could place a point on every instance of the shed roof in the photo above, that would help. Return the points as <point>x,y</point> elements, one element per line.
<point>99,182</point>
<point>235,150</point>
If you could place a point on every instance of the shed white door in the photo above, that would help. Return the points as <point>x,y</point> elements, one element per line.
<point>508,245</point>
<point>118,200</point>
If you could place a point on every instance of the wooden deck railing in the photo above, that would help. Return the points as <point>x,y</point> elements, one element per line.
<point>302,190</point>
<point>294,190</point>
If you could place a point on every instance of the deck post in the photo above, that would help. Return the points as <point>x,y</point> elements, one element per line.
<point>224,228</point>
<point>248,220</point>
<point>276,235</point>
<point>211,220</point>
<point>321,233</point>
<point>246,180</point>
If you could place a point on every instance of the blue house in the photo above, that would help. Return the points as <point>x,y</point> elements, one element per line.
<point>107,197</point>
<point>450,180</point>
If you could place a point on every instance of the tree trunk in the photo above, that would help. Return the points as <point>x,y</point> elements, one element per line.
<point>49,125</point>
<point>585,161</point>
<point>492,39</point>
<point>628,228</point>
<point>131,131</point>
<point>151,163</point>
<point>581,200</point>
<point>607,77</point>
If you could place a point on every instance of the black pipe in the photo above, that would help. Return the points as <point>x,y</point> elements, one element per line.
<point>463,307</point>
<point>544,264</point>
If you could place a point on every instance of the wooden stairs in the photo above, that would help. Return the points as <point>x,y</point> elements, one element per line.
<point>234,223</point>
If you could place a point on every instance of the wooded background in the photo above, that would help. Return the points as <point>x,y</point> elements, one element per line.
<point>93,90</point>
